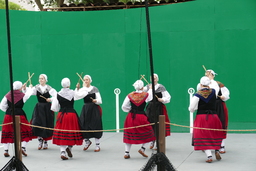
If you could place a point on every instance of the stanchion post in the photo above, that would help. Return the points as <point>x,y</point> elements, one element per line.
<point>191,91</point>
<point>117,91</point>
<point>18,137</point>
<point>162,134</point>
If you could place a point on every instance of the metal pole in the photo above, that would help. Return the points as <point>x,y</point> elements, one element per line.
<point>159,167</point>
<point>191,91</point>
<point>117,91</point>
<point>10,71</point>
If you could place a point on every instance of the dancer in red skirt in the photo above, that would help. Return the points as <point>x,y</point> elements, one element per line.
<point>204,102</point>
<point>6,106</point>
<point>67,119</point>
<point>135,103</point>
<point>222,93</point>
<point>163,97</point>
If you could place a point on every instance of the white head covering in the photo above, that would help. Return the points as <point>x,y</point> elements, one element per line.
<point>138,84</point>
<point>17,85</point>
<point>205,81</point>
<point>212,72</point>
<point>89,77</point>
<point>65,82</point>
<point>156,76</point>
<point>45,77</point>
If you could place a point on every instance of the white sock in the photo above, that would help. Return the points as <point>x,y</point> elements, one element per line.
<point>127,148</point>
<point>223,143</point>
<point>63,148</point>
<point>6,146</point>
<point>87,141</point>
<point>24,144</point>
<point>97,142</point>
<point>143,147</point>
<point>208,153</point>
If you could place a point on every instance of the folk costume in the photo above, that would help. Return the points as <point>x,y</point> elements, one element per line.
<point>222,94</point>
<point>163,94</point>
<point>91,114</point>
<point>42,114</point>
<point>204,102</point>
<point>135,103</point>
<point>6,106</point>
<point>67,119</point>
<point>222,111</point>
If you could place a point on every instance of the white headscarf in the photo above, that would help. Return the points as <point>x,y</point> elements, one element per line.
<point>89,77</point>
<point>65,82</point>
<point>45,77</point>
<point>212,72</point>
<point>138,84</point>
<point>205,81</point>
<point>157,78</point>
<point>17,85</point>
<point>65,91</point>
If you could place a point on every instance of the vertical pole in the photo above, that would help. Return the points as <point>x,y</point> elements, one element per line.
<point>18,137</point>
<point>162,134</point>
<point>10,69</point>
<point>117,91</point>
<point>191,91</point>
<point>159,167</point>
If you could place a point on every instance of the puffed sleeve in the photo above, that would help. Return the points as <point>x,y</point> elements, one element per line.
<point>166,97</point>
<point>126,106</point>
<point>53,92</point>
<point>29,92</point>
<point>55,104</point>
<point>193,104</point>
<point>98,98</point>
<point>225,93</point>
<point>81,93</point>
<point>3,104</point>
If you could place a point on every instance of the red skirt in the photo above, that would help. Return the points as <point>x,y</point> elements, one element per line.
<point>167,126</point>
<point>139,135</point>
<point>207,139</point>
<point>67,121</point>
<point>8,132</point>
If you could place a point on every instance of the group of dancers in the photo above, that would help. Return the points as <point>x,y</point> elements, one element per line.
<point>211,113</point>
<point>208,101</point>
<point>50,101</point>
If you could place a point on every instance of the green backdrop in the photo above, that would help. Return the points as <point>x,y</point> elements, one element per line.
<point>111,46</point>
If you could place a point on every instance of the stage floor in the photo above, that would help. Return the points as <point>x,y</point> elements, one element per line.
<point>241,155</point>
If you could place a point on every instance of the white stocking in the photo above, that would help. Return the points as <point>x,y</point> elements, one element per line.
<point>63,148</point>
<point>24,144</point>
<point>208,153</point>
<point>223,143</point>
<point>6,146</point>
<point>127,147</point>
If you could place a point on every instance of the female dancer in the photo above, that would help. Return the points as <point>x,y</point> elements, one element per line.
<point>42,114</point>
<point>6,106</point>
<point>90,116</point>
<point>163,97</point>
<point>135,103</point>
<point>204,102</point>
<point>67,119</point>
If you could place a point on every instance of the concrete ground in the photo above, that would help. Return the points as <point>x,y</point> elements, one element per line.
<point>240,156</point>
